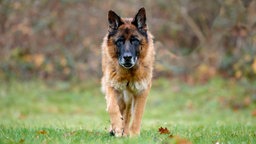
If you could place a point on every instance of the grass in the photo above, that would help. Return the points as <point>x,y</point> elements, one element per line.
<point>60,112</point>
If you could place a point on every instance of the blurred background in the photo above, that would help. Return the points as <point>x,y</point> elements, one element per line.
<point>61,39</point>
<point>204,86</point>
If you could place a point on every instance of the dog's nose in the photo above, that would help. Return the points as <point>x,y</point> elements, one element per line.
<point>127,56</point>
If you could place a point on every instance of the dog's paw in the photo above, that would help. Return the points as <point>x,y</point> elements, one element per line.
<point>112,133</point>
<point>117,132</point>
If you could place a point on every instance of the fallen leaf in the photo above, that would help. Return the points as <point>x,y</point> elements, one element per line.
<point>170,136</point>
<point>237,106</point>
<point>179,140</point>
<point>254,113</point>
<point>22,141</point>
<point>173,138</point>
<point>43,132</point>
<point>162,130</point>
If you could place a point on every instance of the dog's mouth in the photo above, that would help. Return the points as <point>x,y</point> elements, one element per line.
<point>127,65</point>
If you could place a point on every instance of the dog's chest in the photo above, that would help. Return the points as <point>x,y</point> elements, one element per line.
<point>134,86</point>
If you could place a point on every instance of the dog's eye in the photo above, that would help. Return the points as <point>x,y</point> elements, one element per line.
<point>120,42</point>
<point>135,41</point>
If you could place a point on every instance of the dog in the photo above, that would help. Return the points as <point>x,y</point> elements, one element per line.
<point>127,67</point>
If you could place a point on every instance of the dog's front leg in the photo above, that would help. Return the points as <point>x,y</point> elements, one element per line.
<point>114,112</point>
<point>138,109</point>
<point>126,119</point>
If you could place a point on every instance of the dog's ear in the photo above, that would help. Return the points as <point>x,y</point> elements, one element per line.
<point>140,20</point>
<point>114,20</point>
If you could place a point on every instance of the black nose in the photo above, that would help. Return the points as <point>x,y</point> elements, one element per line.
<point>127,56</point>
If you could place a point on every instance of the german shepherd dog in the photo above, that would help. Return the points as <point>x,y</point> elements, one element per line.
<point>127,65</point>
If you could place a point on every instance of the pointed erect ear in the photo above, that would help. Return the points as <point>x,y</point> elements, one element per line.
<point>114,20</point>
<point>140,19</point>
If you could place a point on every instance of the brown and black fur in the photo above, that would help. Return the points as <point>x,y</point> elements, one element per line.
<point>127,66</point>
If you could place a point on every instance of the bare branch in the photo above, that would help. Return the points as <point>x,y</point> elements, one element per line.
<point>193,25</point>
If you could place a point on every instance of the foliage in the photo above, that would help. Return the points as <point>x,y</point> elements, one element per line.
<point>53,39</point>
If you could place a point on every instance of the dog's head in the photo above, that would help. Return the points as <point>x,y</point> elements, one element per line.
<point>126,37</point>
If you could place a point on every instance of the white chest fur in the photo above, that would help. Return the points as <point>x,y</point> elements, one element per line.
<point>134,86</point>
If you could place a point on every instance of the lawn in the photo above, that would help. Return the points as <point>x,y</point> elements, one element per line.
<point>219,111</point>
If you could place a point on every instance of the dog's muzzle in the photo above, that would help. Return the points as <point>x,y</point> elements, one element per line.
<point>127,61</point>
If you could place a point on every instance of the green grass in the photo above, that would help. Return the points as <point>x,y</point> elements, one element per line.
<point>60,112</point>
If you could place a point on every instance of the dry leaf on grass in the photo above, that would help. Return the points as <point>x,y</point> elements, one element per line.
<point>162,130</point>
<point>22,141</point>
<point>172,138</point>
<point>254,113</point>
<point>179,140</point>
<point>43,132</point>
